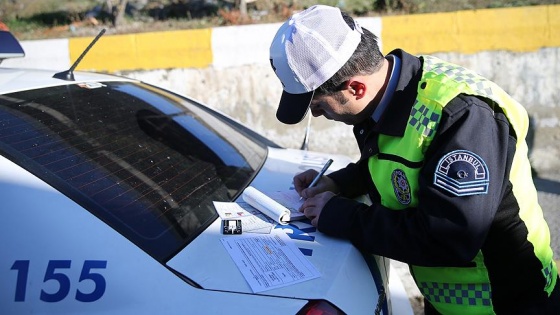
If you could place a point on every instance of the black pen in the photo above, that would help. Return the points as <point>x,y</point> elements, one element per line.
<point>321,173</point>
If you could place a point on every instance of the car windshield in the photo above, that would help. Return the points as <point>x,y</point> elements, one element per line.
<point>147,162</point>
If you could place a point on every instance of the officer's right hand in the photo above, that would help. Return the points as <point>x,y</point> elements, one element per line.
<point>302,181</point>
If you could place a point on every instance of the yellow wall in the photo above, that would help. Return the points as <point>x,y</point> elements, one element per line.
<point>514,29</point>
<point>158,50</point>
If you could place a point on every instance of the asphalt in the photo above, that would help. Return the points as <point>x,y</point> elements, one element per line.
<point>548,187</point>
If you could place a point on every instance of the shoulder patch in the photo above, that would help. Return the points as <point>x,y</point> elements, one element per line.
<point>462,173</point>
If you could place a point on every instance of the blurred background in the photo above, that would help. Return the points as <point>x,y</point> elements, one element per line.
<point>40,19</point>
<point>223,62</point>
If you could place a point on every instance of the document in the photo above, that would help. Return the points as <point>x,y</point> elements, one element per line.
<point>282,206</point>
<point>252,220</point>
<point>269,261</point>
<point>258,210</point>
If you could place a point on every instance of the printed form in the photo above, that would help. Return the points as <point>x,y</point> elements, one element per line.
<point>269,261</point>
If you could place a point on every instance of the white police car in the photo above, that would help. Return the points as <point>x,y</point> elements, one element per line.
<point>106,205</point>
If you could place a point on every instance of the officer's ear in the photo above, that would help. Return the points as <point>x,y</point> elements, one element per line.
<point>356,88</point>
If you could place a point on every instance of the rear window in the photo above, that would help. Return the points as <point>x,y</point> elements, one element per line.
<point>147,162</point>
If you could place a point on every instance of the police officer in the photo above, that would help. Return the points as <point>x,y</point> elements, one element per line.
<point>443,160</point>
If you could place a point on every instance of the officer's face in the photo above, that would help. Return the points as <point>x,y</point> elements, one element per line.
<point>336,107</point>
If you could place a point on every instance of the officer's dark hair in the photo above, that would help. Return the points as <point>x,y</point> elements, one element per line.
<point>366,59</point>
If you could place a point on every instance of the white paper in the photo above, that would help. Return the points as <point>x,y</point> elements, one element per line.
<point>269,261</point>
<point>289,199</point>
<point>282,206</point>
<point>258,211</point>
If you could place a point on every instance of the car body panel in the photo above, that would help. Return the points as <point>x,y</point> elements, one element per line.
<point>131,275</point>
<point>133,283</point>
<point>349,267</point>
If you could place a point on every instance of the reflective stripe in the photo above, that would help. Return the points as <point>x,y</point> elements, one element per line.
<point>424,119</point>
<point>471,294</point>
<point>550,273</point>
<point>456,290</point>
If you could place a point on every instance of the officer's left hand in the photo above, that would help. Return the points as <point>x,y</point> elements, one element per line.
<point>313,206</point>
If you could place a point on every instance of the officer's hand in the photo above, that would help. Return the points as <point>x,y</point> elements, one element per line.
<point>302,181</point>
<point>313,206</point>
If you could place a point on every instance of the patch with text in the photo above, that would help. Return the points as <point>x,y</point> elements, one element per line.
<point>462,173</point>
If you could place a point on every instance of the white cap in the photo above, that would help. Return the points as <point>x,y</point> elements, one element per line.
<point>307,50</point>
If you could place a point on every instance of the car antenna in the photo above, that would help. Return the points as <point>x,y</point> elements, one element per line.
<point>68,75</point>
<point>305,143</point>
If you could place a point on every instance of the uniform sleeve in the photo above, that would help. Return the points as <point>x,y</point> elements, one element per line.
<point>353,180</point>
<point>450,223</point>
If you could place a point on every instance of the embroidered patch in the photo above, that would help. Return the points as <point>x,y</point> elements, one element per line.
<point>401,186</point>
<point>462,173</point>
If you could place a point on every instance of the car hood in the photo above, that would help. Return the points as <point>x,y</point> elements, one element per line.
<point>345,275</point>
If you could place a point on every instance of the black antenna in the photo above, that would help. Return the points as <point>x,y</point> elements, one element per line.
<point>305,144</point>
<point>68,75</point>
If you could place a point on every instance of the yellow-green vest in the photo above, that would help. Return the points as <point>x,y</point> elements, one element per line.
<point>451,290</point>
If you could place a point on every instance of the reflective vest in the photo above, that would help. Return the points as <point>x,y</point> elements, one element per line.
<point>452,290</point>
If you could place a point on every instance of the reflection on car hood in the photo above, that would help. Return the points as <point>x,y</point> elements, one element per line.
<point>345,274</point>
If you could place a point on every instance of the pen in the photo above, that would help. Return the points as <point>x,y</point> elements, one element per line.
<point>321,173</point>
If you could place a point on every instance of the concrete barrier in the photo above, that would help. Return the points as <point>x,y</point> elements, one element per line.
<point>227,67</point>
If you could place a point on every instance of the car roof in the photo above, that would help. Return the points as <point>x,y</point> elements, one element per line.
<point>19,79</point>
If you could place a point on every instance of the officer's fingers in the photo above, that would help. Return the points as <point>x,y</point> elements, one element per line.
<point>313,207</point>
<point>312,191</point>
<point>315,221</point>
<point>320,200</point>
<point>309,213</point>
<point>302,180</point>
<point>312,213</point>
<point>325,185</point>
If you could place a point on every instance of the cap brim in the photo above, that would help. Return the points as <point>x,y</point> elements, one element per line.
<point>293,107</point>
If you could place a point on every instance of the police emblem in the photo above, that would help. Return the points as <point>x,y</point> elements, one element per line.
<point>401,186</point>
<point>462,173</point>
